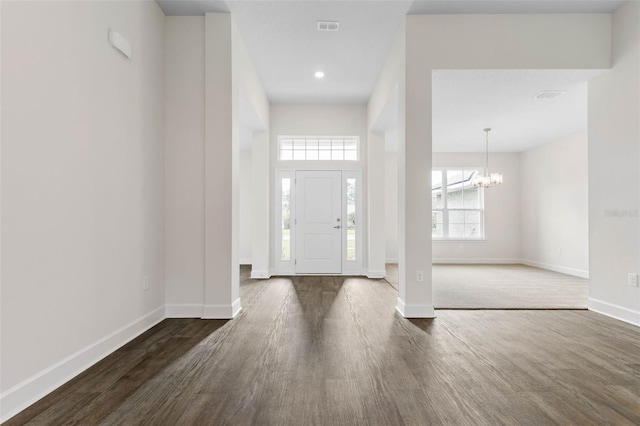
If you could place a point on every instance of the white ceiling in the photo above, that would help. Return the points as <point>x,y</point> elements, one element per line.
<point>286,49</point>
<point>467,101</point>
<point>513,6</point>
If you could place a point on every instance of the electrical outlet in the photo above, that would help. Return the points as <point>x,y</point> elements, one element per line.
<point>145,283</point>
<point>633,280</point>
<point>419,276</point>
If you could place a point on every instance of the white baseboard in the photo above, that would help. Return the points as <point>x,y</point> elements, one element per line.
<point>556,268</point>
<point>260,275</point>
<point>614,311</point>
<point>26,393</point>
<point>221,311</point>
<point>184,310</point>
<point>246,261</point>
<point>374,274</point>
<point>479,261</point>
<point>415,311</point>
<point>391,260</point>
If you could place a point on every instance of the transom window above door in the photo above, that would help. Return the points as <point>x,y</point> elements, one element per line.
<point>318,148</point>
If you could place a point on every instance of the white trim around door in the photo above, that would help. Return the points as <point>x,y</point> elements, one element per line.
<point>347,223</point>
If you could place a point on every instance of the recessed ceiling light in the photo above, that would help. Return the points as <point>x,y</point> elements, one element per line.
<point>319,74</point>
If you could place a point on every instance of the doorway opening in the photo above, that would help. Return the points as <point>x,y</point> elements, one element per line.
<point>318,222</point>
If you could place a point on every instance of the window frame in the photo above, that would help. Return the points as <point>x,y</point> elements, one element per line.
<point>311,137</point>
<point>445,206</point>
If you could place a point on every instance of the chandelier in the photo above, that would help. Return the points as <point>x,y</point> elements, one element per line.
<point>487,179</point>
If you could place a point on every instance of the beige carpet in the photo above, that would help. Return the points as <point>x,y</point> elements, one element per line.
<point>502,287</point>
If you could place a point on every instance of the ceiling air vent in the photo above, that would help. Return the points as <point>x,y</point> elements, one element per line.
<point>549,94</point>
<point>328,26</point>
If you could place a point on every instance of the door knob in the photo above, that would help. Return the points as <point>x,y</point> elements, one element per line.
<point>337,227</point>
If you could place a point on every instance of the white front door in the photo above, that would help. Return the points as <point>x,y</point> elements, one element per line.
<point>318,226</point>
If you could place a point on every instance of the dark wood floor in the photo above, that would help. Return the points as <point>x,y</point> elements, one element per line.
<point>333,351</point>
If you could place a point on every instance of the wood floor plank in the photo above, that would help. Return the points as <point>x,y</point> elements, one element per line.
<point>333,351</point>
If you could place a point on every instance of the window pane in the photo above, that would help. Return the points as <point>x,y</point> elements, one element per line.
<point>472,217</point>
<point>436,224</point>
<point>436,189</point>
<point>286,155</point>
<point>436,216</point>
<point>456,216</point>
<point>468,174</point>
<point>350,144</point>
<point>351,219</point>
<point>319,149</point>
<point>471,197</point>
<point>472,230</point>
<point>286,219</point>
<point>461,205</point>
<point>456,231</point>
<point>455,183</point>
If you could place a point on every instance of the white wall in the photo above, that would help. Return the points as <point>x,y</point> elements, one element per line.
<point>614,154</point>
<point>540,208</point>
<point>184,159</point>
<point>246,195</point>
<point>502,212</point>
<point>320,120</point>
<point>246,84</point>
<point>82,188</point>
<point>208,68</point>
<point>554,206</point>
<point>501,215</point>
<point>568,41</point>
<point>391,206</point>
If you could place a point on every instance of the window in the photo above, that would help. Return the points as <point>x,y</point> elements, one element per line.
<point>285,226</point>
<point>351,219</point>
<point>327,148</point>
<point>458,206</point>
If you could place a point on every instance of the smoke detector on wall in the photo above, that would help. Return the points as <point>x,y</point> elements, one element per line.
<point>328,26</point>
<point>550,94</point>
